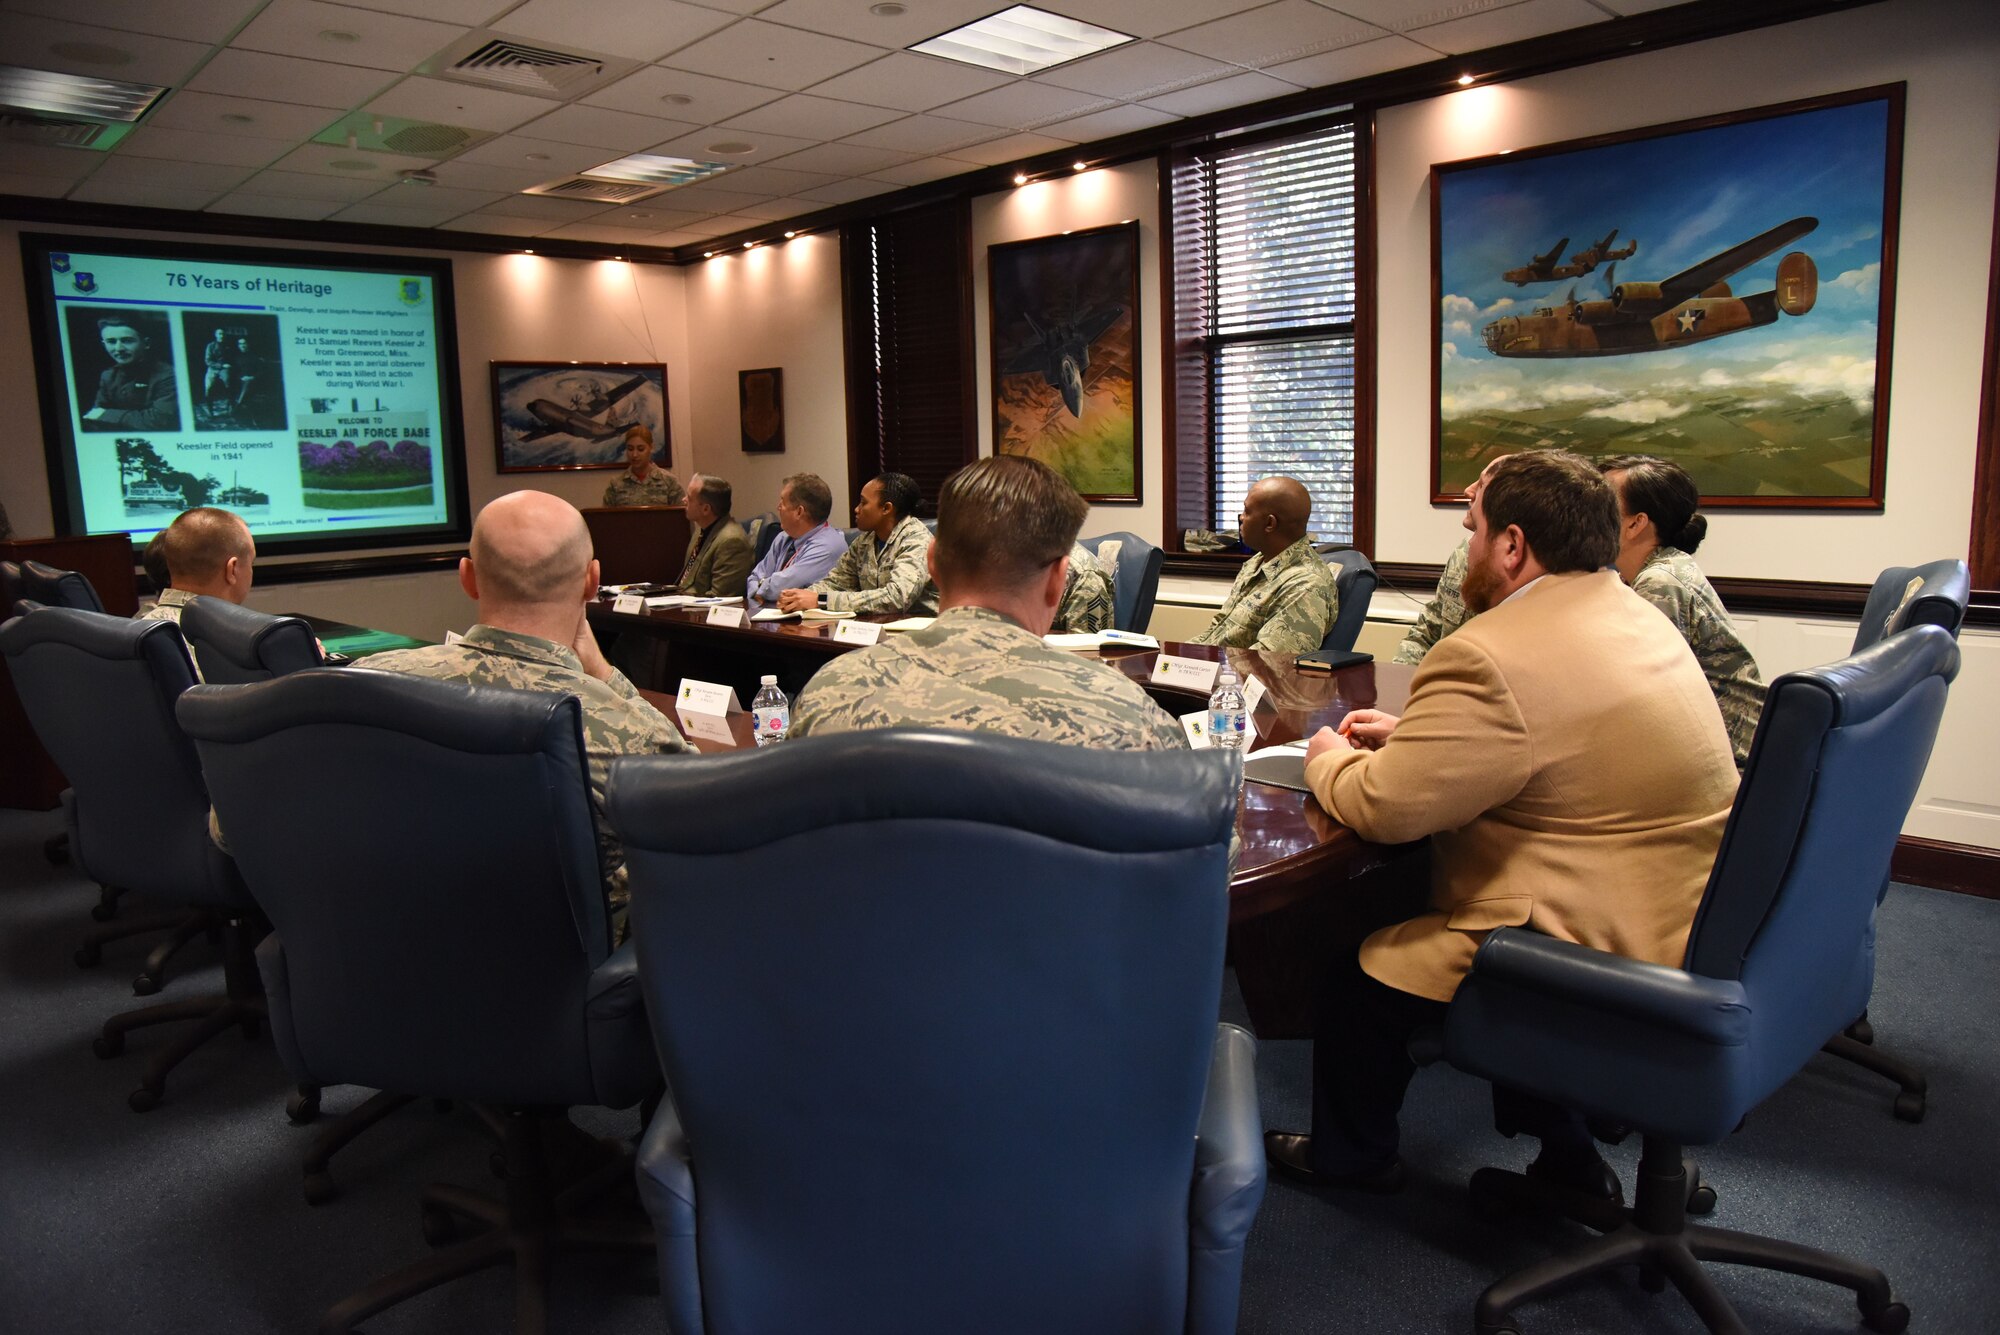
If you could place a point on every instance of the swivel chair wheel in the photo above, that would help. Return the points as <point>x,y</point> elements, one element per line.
<point>319,1188</point>
<point>107,1046</point>
<point>302,1107</point>
<point>143,1099</point>
<point>145,985</point>
<point>1701,1200</point>
<point>89,956</point>
<point>1909,1107</point>
<point>1495,1328</point>
<point>1890,1320</point>
<point>440,1228</point>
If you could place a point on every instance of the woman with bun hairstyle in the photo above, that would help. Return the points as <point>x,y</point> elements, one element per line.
<point>1660,526</point>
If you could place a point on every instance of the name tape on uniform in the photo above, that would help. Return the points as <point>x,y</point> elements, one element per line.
<point>706,697</point>
<point>1195,673</point>
<point>857,632</point>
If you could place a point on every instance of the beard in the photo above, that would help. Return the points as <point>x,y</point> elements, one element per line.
<point>1480,589</point>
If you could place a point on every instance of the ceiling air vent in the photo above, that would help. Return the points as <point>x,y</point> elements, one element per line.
<point>605,192</point>
<point>496,60</point>
<point>55,132</point>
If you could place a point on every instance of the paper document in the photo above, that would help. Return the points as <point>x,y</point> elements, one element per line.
<point>669,600</point>
<point>810,614</point>
<point>909,623</point>
<point>1100,639</point>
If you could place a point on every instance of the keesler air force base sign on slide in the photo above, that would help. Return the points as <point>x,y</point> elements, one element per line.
<point>308,400</point>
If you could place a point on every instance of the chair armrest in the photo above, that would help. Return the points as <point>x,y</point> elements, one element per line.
<point>1229,1145</point>
<point>614,986</point>
<point>623,1062</point>
<point>666,1189</point>
<point>1711,1010</point>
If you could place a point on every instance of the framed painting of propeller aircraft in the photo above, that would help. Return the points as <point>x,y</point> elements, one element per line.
<point>1715,292</point>
<point>1064,342</point>
<point>563,415</point>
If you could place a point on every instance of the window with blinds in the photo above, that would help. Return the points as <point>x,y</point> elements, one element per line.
<point>1267,297</point>
<point>907,308</point>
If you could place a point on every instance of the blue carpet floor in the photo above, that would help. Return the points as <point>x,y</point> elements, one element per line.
<point>190,1218</point>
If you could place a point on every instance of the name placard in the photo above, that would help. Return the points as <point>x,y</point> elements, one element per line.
<point>857,632</point>
<point>633,603</point>
<point>706,697</point>
<point>707,727</point>
<point>1254,691</point>
<point>1195,725</point>
<point>725,616</point>
<point>1194,673</point>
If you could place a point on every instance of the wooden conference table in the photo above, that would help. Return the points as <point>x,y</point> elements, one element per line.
<point>1305,885</point>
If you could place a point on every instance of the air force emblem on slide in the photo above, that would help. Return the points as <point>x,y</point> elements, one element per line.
<point>60,263</point>
<point>85,282</point>
<point>411,290</point>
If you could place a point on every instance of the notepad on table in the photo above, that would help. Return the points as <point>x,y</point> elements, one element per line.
<point>908,623</point>
<point>1101,639</point>
<point>810,614</point>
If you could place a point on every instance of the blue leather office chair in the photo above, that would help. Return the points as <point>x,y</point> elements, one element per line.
<point>1137,581</point>
<point>56,588</point>
<point>426,854</point>
<point>1781,956</point>
<point>100,691</point>
<point>937,1042</point>
<point>1933,594</point>
<point>1354,580</point>
<point>233,644</point>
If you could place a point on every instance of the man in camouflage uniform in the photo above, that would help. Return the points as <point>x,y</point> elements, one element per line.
<point>1284,598</point>
<point>208,554</point>
<point>885,569</point>
<point>531,573</point>
<point>645,483</point>
<point>1005,526</point>
<point>1442,615</point>
<point>1087,602</point>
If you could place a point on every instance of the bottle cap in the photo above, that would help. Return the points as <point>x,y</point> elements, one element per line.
<point>767,680</point>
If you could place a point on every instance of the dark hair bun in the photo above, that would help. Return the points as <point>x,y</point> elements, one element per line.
<point>1691,533</point>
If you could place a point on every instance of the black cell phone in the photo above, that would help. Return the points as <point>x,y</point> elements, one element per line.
<point>1331,660</point>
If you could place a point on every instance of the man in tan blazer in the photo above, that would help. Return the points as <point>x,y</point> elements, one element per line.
<point>719,555</point>
<point>1567,759</point>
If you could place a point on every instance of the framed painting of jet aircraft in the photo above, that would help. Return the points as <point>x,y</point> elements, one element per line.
<point>1715,292</point>
<point>1064,343</point>
<point>562,415</point>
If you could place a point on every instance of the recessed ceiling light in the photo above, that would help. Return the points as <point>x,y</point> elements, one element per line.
<point>339,35</point>
<point>75,94</point>
<point>92,53</point>
<point>749,245</point>
<point>708,254</point>
<point>1465,81</point>
<point>1020,178</point>
<point>1079,166</point>
<point>538,157</point>
<point>790,235</point>
<point>1022,40</point>
<point>237,118</point>
<point>675,99</point>
<point>527,252</point>
<point>638,215</point>
<point>655,169</point>
<point>888,9</point>
<point>731,147</point>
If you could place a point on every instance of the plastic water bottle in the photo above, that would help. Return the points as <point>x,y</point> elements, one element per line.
<point>770,712</point>
<point>1227,719</point>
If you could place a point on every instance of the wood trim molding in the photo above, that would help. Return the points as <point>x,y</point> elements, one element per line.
<point>358,567</point>
<point>1984,549</point>
<point>1965,868</point>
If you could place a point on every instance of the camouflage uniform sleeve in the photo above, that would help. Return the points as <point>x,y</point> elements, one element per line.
<point>902,587</point>
<point>844,574</point>
<point>647,722</point>
<point>1443,614</point>
<point>1087,603</point>
<point>611,492</point>
<point>1299,612</point>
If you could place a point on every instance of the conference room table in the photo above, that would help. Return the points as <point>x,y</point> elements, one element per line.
<point>1304,885</point>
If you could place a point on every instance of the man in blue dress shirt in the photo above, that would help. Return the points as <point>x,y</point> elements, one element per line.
<point>806,549</point>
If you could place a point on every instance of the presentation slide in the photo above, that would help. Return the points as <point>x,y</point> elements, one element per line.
<point>315,395</point>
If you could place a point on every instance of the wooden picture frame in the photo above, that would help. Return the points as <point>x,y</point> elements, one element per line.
<point>1729,306</point>
<point>760,409</point>
<point>1063,338</point>
<point>551,416</point>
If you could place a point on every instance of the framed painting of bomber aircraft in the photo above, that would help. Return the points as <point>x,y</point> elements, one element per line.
<point>1715,292</point>
<point>1064,342</point>
<point>562,415</point>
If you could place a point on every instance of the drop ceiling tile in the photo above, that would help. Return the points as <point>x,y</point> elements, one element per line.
<point>1402,15</point>
<point>152,141</point>
<point>1354,62</point>
<point>812,117</point>
<point>645,217</point>
<point>775,180</point>
<point>910,82</point>
<point>214,177</point>
<point>694,97</point>
<point>539,206</point>
<point>545,157</point>
<point>468,13</point>
<point>1010,149</point>
<point>600,127</point>
<point>307,28</point>
<point>671,239</point>
<point>102,53</point>
<point>274,206</point>
<point>305,185</point>
<point>846,192</point>
<point>46,187</point>
<point>735,6</point>
<point>446,103</point>
<point>764,53</point>
<point>497,225</point>
<point>440,199</point>
<point>383,215</point>
<point>852,18</point>
<point>1534,18</point>
<point>596,231</point>
<point>351,163</point>
<point>1150,18</point>
<point>95,191</point>
<point>725,223</point>
<point>1022,104</point>
<point>500,180</point>
<point>922,135</point>
<point>1623,7</point>
<point>285,79</point>
<point>1108,124</point>
<point>194,20</point>
<point>703,145</point>
<point>711,199</point>
<point>207,113</point>
<point>775,210</point>
<point>1288,30</point>
<point>709,227</point>
<point>842,159</point>
<point>1138,70</point>
<point>1238,91</point>
<point>922,172</point>
<point>641,29</point>
<point>63,164</point>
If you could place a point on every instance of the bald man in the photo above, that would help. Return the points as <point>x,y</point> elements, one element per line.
<point>208,553</point>
<point>1284,599</point>
<point>531,573</point>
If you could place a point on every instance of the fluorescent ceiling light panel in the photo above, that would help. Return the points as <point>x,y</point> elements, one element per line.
<point>75,94</point>
<point>654,169</point>
<point>1022,40</point>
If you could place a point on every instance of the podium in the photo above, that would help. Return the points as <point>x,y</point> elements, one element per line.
<point>638,544</point>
